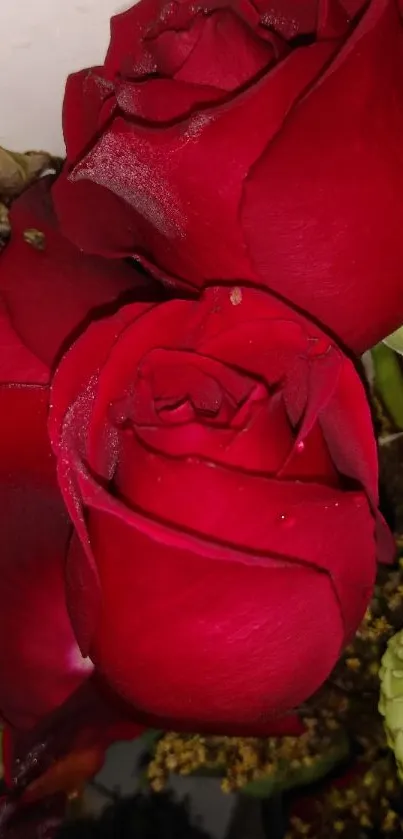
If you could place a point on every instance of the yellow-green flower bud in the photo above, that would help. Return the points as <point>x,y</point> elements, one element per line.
<point>391,698</point>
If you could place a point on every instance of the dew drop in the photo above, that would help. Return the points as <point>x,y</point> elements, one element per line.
<point>300,446</point>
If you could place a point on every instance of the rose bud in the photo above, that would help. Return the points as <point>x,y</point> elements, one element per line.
<point>218,461</point>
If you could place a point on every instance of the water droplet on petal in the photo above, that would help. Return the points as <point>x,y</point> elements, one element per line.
<point>300,446</point>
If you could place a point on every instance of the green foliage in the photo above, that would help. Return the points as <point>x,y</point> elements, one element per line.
<point>389,382</point>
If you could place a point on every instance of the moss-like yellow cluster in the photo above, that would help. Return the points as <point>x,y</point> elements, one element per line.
<point>366,806</point>
<point>358,669</point>
<point>345,710</point>
<point>240,761</point>
<point>368,801</point>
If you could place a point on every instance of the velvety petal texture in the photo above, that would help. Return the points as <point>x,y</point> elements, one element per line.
<point>218,461</point>
<point>46,295</point>
<point>259,141</point>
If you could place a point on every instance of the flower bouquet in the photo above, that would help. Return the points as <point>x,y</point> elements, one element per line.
<point>193,538</point>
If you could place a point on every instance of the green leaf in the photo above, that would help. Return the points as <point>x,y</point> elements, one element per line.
<point>148,741</point>
<point>389,382</point>
<point>150,738</point>
<point>287,777</point>
<point>395,341</point>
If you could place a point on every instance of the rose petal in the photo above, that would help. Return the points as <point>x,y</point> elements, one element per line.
<point>342,207</point>
<point>77,372</point>
<point>245,511</point>
<point>236,54</point>
<point>151,174</point>
<point>186,365</point>
<point>18,365</point>
<point>49,293</point>
<point>161,100</point>
<point>40,662</point>
<point>176,374</point>
<point>333,21</point>
<point>117,372</point>
<point>117,237</point>
<point>353,7</point>
<point>221,651</point>
<point>323,377</point>
<point>127,31</point>
<point>310,461</point>
<point>88,103</point>
<point>345,514</point>
<point>172,37</point>
<point>259,442</point>
<point>24,446</point>
<point>347,426</point>
<point>290,18</point>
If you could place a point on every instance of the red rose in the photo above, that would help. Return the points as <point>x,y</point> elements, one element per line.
<point>44,296</point>
<point>252,140</point>
<point>218,461</point>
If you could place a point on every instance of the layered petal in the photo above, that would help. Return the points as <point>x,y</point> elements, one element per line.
<point>259,142</point>
<point>203,471</point>
<point>164,183</point>
<point>243,656</point>
<point>330,241</point>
